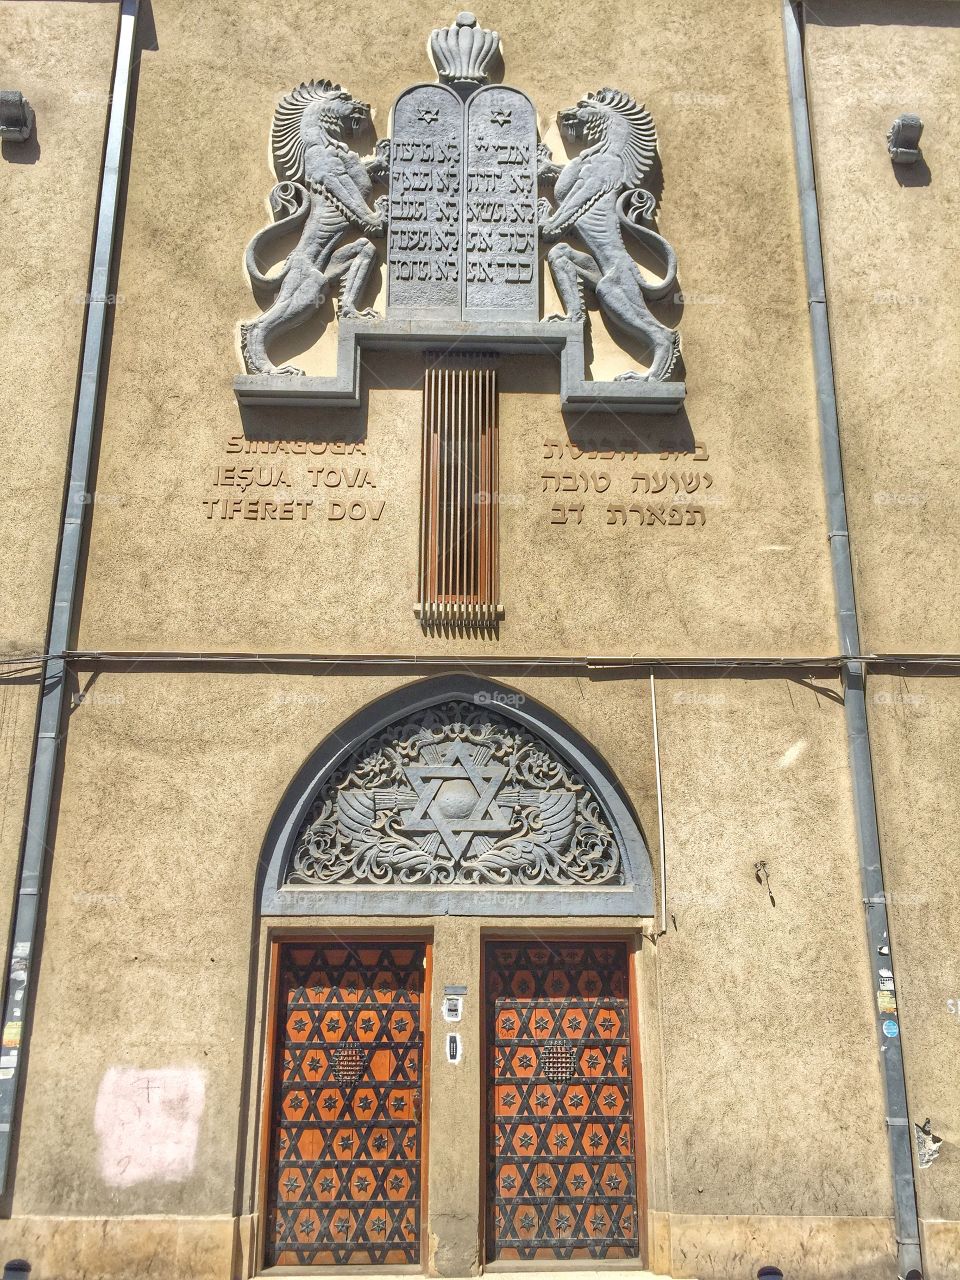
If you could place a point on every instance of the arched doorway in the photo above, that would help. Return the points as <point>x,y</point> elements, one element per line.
<point>459,809</point>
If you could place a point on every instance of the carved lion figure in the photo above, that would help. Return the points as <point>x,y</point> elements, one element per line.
<point>322,192</point>
<point>597,195</point>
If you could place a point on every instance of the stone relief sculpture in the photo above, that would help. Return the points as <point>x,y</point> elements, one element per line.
<point>463,227</point>
<point>598,194</point>
<point>324,190</point>
<point>456,795</point>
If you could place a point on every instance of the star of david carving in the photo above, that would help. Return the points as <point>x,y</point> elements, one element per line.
<point>456,814</point>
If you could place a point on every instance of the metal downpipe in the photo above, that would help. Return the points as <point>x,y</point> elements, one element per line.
<point>49,734</point>
<point>852,669</point>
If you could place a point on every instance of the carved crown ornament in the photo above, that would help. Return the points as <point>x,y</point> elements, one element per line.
<point>461,197</point>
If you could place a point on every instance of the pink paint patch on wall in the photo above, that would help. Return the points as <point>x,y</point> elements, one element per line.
<point>147,1124</point>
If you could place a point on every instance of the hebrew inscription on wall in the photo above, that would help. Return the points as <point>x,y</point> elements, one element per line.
<point>590,487</point>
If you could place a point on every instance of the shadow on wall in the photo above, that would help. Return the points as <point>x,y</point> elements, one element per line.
<point>913,175</point>
<point>856,13</point>
<point>21,153</point>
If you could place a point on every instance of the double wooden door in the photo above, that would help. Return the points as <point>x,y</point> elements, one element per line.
<point>344,1181</point>
<point>344,1176</point>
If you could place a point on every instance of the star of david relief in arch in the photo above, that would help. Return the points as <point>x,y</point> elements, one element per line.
<point>454,796</point>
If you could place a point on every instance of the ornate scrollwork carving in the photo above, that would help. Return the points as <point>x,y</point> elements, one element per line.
<point>456,795</point>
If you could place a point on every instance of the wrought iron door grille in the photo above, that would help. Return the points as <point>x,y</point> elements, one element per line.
<point>561,1162</point>
<point>344,1172</point>
<point>349,1064</point>
<point>556,1060</point>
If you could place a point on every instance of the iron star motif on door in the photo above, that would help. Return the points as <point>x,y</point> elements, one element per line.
<point>343,1180</point>
<point>561,1163</point>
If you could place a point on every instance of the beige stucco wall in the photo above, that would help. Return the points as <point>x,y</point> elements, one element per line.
<point>196,198</point>
<point>59,55</point>
<point>915,726</point>
<point>160,863</point>
<point>761,1080</point>
<point>762,1093</point>
<point>771,1078</point>
<point>893,275</point>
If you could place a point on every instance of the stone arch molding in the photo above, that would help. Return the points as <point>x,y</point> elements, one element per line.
<point>455,796</point>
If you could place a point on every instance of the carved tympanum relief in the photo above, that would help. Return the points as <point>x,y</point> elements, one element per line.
<point>456,795</point>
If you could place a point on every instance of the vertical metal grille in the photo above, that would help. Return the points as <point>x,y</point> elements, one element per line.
<point>459,571</point>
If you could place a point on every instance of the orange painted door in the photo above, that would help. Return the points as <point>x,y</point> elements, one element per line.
<point>344,1179</point>
<point>561,1159</point>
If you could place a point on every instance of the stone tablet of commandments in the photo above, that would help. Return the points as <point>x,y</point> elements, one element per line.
<point>462,238</point>
<point>500,206</point>
<point>425,236</point>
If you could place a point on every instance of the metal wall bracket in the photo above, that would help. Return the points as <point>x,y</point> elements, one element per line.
<point>903,139</point>
<point>16,116</point>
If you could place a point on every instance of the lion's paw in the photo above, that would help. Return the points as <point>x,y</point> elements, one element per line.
<point>631,375</point>
<point>561,315</point>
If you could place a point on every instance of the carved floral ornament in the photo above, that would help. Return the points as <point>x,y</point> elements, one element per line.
<point>456,795</point>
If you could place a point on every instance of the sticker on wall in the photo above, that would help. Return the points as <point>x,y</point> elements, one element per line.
<point>928,1143</point>
<point>147,1124</point>
<point>11,1035</point>
<point>886,1002</point>
<point>890,1029</point>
